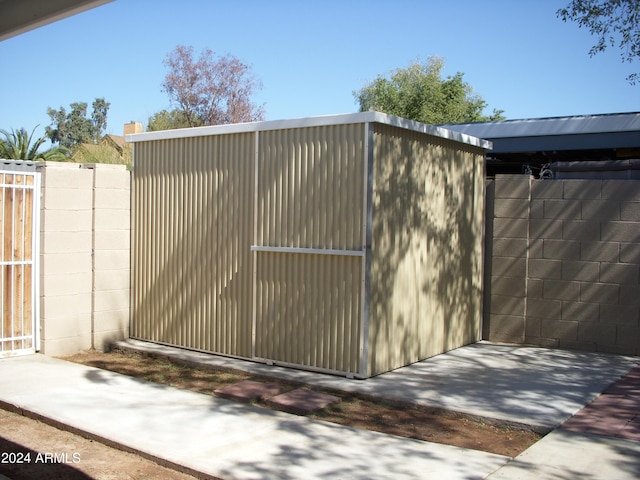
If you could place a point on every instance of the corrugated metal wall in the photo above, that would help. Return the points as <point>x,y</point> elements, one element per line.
<point>192,230</point>
<point>427,247</point>
<point>310,187</point>
<point>310,196</point>
<point>255,244</point>
<point>309,310</point>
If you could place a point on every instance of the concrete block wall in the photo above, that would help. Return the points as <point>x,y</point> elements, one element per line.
<point>84,256</point>
<point>563,263</point>
<point>506,259</point>
<point>111,254</point>
<point>66,222</point>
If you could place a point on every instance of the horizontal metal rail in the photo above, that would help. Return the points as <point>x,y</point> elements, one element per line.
<point>308,251</point>
<point>15,339</point>
<point>17,186</point>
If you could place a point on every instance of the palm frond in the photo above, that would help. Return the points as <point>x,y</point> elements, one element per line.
<point>20,145</point>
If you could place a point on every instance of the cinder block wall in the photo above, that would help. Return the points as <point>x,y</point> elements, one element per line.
<point>66,222</point>
<point>84,256</point>
<point>563,263</point>
<point>111,254</point>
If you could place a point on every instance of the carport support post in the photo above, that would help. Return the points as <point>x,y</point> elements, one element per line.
<point>366,248</point>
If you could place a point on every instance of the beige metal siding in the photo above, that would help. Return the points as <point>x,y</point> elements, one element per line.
<point>310,196</point>
<point>426,272</point>
<point>309,310</point>
<point>255,243</point>
<point>310,187</point>
<point>192,230</point>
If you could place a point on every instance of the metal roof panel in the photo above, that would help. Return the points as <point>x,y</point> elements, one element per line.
<point>552,126</point>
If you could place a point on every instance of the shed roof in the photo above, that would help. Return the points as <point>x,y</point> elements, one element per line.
<point>363,117</point>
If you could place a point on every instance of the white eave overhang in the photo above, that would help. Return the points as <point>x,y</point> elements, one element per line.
<point>349,118</point>
<point>20,16</point>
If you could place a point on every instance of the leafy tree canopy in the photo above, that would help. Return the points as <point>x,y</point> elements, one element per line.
<point>70,129</point>
<point>20,145</point>
<point>611,21</point>
<point>168,120</point>
<point>211,90</point>
<point>419,92</point>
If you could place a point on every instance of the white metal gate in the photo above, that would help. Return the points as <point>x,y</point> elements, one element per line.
<point>19,232</point>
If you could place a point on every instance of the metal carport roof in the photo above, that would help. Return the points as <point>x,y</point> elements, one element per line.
<point>582,132</point>
<point>19,16</point>
<point>525,145</point>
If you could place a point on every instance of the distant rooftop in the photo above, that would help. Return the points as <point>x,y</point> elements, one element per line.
<point>537,141</point>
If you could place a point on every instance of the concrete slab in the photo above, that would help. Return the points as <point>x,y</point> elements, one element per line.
<point>302,401</point>
<point>535,386</point>
<point>248,391</point>
<point>564,455</point>
<point>218,438</point>
<point>510,383</point>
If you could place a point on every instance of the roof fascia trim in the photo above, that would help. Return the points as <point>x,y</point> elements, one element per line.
<point>342,119</point>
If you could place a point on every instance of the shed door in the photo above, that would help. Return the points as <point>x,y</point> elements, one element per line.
<point>308,307</point>
<point>19,228</point>
<point>308,250</point>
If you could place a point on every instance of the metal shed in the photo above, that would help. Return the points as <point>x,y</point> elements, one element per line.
<point>350,244</point>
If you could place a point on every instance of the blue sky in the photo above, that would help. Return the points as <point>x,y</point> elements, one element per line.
<point>311,55</point>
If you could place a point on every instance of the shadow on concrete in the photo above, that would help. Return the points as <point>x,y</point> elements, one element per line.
<point>303,450</point>
<point>535,386</point>
<point>234,440</point>
<point>36,467</point>
<point>564,455</point>
<point>512,383</point>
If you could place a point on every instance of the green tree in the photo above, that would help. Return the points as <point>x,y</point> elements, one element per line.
<point>168,120</point>
<point>611,21</point>
<point>74,128</point>
<point>419,92</point>
<point>99,118</point>
<point>20,145</point>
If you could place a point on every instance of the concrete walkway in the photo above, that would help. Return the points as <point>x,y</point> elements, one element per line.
<point>601,441</point>
<point>221,438</point>
<point>229,440</point>
<point>537,387</point>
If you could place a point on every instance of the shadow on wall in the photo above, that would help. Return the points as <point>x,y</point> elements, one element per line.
<point>427,253</point>
<point>309,195</point>
<point>195,221</point>
<point>192,264</point>
<point>563,260</point>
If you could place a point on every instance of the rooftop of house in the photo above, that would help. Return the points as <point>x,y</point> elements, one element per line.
<point>537,141</point>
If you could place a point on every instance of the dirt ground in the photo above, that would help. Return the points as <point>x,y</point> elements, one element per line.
<point>28,449</point>
<point>406,421</point>
<point>87,459</point>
